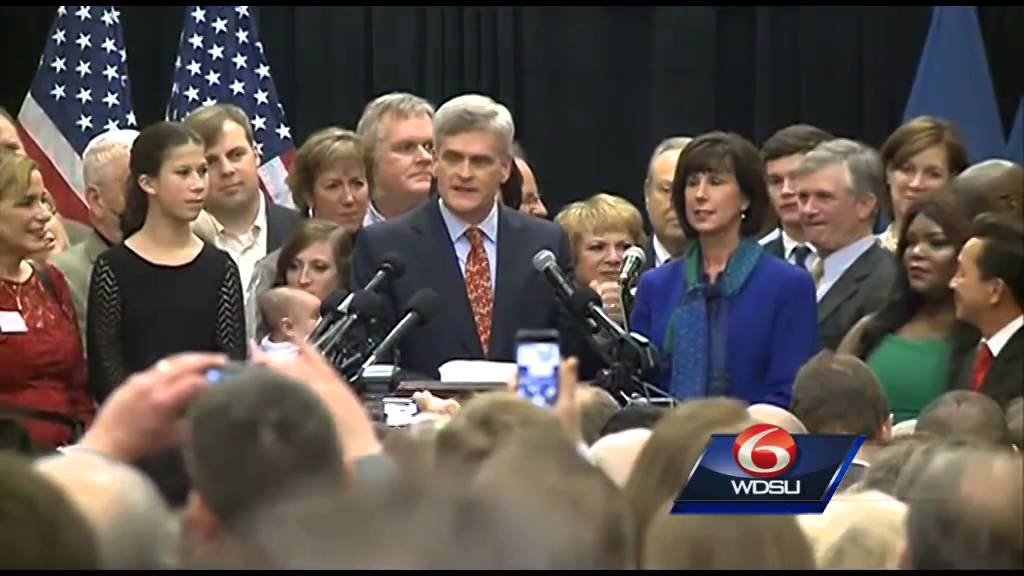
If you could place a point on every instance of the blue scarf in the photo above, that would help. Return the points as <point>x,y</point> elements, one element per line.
<point>687,338</point>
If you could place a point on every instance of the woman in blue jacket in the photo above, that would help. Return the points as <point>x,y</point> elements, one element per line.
<point>728,318</point>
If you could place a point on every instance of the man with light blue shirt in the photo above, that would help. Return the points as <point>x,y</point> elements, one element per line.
<point>474,252</point>
<point>839,187</point>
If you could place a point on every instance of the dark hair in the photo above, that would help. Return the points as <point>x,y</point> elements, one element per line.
<point>793,139</point>
<point>922,133</point>
<point>1002,251</point>
<point>257,437</point>
<point>903,303</point>
<point>512,187</point>
<point>40,527</point>
<point>309,232</point>
<point>838,393</point>
<point>721,151</point>
<point>6,115</point>
<point>148,154</point>
<point>965,413</point>
<point>634,416</point>
<point>966,512</point>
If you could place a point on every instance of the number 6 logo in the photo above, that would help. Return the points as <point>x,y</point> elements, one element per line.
<point>764,451</point>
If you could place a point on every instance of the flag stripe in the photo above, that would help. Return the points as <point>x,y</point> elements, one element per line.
<point>273,174</point>
<point>51,142</point>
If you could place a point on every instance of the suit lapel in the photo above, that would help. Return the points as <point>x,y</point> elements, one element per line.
<point>847,284</point>
<point>1008,358</point>
<point>448,279</point>
<point>512,270</point>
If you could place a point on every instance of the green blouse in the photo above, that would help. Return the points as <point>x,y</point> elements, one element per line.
<point>913,372</point>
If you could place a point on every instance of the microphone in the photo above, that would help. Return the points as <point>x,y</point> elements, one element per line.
<point>420,310</point>
<point>545,261</point>
<point>632,261</point>
<point>328,313</point>
<point>585,303</point>
<point>364,304</point>
<point>391,267</point>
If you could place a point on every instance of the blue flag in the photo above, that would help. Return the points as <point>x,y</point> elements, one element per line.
<point>1015,145</point>
<point>953,82</point>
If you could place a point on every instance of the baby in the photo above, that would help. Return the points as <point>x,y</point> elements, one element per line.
<point>290,314</point>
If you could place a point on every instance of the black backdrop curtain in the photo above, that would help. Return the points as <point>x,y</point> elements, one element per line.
<point>592,89</point>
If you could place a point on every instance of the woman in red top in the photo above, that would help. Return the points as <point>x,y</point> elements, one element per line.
<point>42,366</point>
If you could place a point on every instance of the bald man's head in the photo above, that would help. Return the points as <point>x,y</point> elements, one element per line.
<point>992,185</point>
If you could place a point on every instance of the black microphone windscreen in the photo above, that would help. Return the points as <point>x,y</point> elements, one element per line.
<point>582,298</point>
<point>425,302</point>
<point>366,302</point>
<point>332,301</point>
<point>396,262</point>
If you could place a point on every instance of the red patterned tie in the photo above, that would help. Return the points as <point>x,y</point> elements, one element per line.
<point>478,286</point>
<point>982,361</point>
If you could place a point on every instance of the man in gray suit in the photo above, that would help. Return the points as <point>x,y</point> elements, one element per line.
<point>839,187</point>
<point>105,172</point>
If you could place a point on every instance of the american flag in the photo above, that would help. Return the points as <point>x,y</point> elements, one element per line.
<point>80,90</point>
<point>220,60</point>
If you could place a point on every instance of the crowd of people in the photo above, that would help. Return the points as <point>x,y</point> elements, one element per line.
<point>814,283</point>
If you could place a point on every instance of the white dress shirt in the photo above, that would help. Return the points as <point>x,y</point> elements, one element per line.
<point>999,340</point>
<point>661,254</point>
<point>247,249</point>
<point>789,245</point>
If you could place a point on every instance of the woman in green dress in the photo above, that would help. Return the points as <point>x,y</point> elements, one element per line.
<point>915,340</point>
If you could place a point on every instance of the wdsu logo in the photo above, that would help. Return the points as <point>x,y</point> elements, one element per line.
<point>765,470</point>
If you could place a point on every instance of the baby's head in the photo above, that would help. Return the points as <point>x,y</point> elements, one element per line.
<point>289,312</point>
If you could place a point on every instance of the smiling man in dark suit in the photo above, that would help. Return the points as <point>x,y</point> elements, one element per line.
<point>839,186</point>
<point>989,292</point>
<point>476,253</point>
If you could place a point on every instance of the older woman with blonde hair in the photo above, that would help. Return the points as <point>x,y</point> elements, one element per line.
<point>601,229</point>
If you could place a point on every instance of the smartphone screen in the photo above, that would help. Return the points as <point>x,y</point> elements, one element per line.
<point>538,360</point>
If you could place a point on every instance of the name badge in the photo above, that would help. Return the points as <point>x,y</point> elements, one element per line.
<point>12,323</point>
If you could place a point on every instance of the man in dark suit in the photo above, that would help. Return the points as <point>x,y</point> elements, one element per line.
<point>839,186</point>
<point>475,253</point>
<point>667,238</point>
<point>782,153</point>
<point>989,293</point>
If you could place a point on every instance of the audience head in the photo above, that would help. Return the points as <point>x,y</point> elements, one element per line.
<point>616,454</point>
<point>858,531</point>
<point>168,176</point>
<point>9,139</point>
<point>316,258</point>
<point>921,157</point>
<point>935,231</point>
<point>255,437</point>
<point>532,203</point>
<point>329,178</point>
<point>992,186</point>
<point>670,454</point>
<point>726,542</point>
<point>397,131</point>
<point>24,214</point>
<point>661,173</point>
<point>719,186</point>
<point>537,468</point>
<point>1015,421</point>
<point>512,188</point>
<point>782,152</point>
<point>601,229</point>
<point>776,416</point>
<point>966,513</point>
<point>105,171</point>
<point>473,135</point>
<point>964,414</point>
<point>290,313</point>
<point>134,529</point>
<point>839,186</point>
<point>40,528</point>
<point>839,394</point>
<point>596,407</point>
<point>989,282</point>
<point>637,415</point>
<point>230,152</point>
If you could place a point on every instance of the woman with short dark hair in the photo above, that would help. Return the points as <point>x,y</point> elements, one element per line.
<point>728,319</point>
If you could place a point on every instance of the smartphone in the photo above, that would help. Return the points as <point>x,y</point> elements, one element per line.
<point>229,370</point>
<point>538,357</point>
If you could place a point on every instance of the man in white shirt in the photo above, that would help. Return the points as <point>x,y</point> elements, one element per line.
<point>667,240</point>
<point>237,218</point>
<point>397,130</point>
<point>839,186</point>
<point>782,153</point>
<point>989,293</point>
